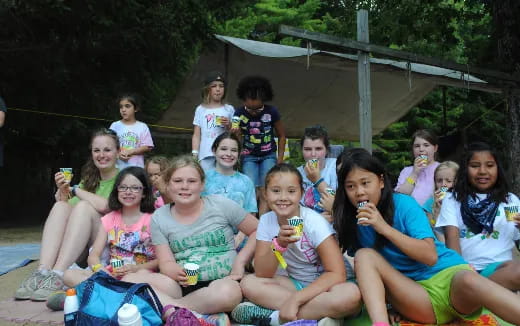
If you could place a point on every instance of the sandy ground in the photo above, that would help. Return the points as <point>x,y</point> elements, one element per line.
<point>9,282</point>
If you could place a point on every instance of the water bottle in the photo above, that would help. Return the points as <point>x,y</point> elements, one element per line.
<point>70,308</point>
<point>129,315</point>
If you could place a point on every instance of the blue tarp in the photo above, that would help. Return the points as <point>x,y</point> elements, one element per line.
<point>12,257</point>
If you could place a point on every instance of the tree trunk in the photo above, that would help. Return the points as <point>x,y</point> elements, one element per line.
<point>513,141</point>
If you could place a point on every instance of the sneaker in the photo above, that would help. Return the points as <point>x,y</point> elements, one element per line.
<point>29,285</point>
<point>220,319</point>
<point>327,321</point>
<point>247,312</point>
<point>50,284</point>
<point>56,300</point>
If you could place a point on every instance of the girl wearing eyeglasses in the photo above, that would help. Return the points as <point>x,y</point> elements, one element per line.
<point>258,122</point>
<point>125,232</point>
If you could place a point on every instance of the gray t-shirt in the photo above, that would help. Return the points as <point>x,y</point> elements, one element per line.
<point>208,241</point>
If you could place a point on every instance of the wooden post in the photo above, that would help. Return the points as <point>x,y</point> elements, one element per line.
<point>364,91</point>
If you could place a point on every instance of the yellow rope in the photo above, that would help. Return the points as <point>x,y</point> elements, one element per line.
<point>90,118</point>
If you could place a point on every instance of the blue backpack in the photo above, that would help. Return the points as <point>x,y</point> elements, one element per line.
<point>101,296</point>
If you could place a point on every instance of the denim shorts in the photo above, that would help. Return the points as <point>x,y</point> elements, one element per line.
<point>256,167</point>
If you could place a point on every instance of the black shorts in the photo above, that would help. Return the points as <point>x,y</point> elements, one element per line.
<point>191,288</point>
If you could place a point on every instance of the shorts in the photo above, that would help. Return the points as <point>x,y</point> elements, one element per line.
<point>490,269</point>
<point>256,167</point>
<point>192,288</point>
<point>351,275</point>
<point>438,287</point>
<point>299,285</point>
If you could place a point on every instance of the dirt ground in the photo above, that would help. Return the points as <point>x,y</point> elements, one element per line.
<point>9,282</point>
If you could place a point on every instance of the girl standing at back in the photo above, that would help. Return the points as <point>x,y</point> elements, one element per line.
<point>125,231</point>
<point>212,117</point>
<point>258,123</point>
<point>134,136</point>
<point>316,285</point>
<point>398,258</point>
<point>481,218</point>
<point>417,180</point>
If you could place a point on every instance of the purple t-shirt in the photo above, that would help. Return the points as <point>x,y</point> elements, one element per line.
<point>258,131</point>
<point>424,185</point>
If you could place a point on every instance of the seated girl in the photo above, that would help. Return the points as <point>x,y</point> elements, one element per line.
<point>199,230</point>
<point>125,231</point>
<point>316,285</point>
<point>72,224</point>
<point>398,259</point>
<point>155,167</point>
<point>481,218</point>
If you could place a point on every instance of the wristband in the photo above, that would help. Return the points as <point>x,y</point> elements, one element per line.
<point>194,152</point>
<point>317,183</point>
<point>277,246</point>
<point>278,255</point>
<point>410,181</point>
<point>96,267</point>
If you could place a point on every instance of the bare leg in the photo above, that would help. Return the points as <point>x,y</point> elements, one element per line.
<point>83,225</point>
<point>157,281</point>
<point>508,275</point>
<point>341,300</point>
<point>470,291</point>
<point>378,280</point>
<point>53,231</point>
<point>267,292</point>
<point>73,277</point>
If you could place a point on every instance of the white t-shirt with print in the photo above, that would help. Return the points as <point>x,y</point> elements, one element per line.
<point>303,262</point>
<point>131,137</point>
<point>481,249</point>
<point>209,130</point>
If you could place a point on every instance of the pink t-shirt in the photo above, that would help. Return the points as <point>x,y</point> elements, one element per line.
<point>424,185</point>
<point>131,243</point>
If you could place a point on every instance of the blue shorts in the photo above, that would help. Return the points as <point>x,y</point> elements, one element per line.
<point>490,269</point>
<point>256,167</point>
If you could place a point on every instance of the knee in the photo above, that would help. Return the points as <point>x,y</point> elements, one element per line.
<point>230,290</point>
<point>468,281</point>
<point>248,284</point>
<point>364,256</point>
<point>83,207</point>
<point>347,302</point>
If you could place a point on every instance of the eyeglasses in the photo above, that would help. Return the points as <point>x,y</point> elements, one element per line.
<point>260,109</point>
<point>131,188</point>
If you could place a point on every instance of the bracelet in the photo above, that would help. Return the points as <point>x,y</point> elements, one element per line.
<point>194,152</point>
<point>410,181</point>
<point>278,254</point>
<point>277,246</point>
<point>317,183</point>
<point>96,267</point>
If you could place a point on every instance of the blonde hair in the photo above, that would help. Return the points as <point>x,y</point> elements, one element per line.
<point>162,161</point>
<point>180,162</point>
<point>446,165</point>
<point>205,93</point>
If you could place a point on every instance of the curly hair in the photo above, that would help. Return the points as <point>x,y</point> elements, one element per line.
<point>255,87</point>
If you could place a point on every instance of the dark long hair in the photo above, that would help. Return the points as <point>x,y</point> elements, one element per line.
<point>90,175</point>
<point>463,188</point>
<point>147,202</point>
<point>344,212</point>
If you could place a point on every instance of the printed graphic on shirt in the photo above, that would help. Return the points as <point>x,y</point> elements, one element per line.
<point>128,140</point>
<point>132,247</point>
<point>259,133</point>
<point>467,234</point>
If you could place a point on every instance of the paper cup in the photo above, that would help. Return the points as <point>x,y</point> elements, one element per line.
<point>67,173</point>
<point>218,120</point>
<point>297,223</point>
<point>330,191</point>
<point>359,205</point>
<point>235,122</point>
<point>424,158</point>
<point>192,272</point>
<point>116,263</point>
<point>313,162</point>
<point>510,211</point>
<point>444,191</point>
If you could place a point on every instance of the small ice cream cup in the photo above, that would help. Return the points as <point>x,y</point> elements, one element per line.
<point>330,191</point>
<point>192,272</point>
<point>297,223</point>
<point>235,122</point>
<point>510,212</point>
<point>116,263</point>
<point>218,120</point>
<point>313,162</point>
<point>359,205</point>
<point>423,158</point>
<point>67,173</point>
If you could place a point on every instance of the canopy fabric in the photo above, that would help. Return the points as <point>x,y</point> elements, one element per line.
<point>315,87</point>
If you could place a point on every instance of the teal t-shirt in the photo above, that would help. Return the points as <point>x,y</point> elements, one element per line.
<point>238,187</point>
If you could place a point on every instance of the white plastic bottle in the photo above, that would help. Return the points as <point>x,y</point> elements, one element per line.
<point>70,308</point>
<point>129,315</point>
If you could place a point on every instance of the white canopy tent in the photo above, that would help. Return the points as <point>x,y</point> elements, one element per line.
<point>313,86</point>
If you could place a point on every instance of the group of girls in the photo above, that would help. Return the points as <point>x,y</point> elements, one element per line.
<point>255,122</point>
